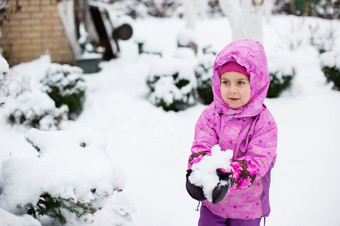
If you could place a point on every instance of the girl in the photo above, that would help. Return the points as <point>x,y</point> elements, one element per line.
<point>237,119</point>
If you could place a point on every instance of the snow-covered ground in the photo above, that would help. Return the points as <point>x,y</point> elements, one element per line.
<point>152,146</point>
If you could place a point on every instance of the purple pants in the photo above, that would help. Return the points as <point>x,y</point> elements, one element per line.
<point>207,218</point>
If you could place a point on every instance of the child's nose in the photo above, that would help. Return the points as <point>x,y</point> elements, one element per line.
<point>232,89</point>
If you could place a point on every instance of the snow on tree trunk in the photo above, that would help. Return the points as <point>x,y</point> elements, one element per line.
<point>66,12</point>
<point>194,9</point>
<point>245,17</point>
<point>268,6</point>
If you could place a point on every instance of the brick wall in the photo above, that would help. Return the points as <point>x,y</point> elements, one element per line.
<point>34,29</point>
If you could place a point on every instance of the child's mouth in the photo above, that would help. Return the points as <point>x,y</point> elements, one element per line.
<point>233,99</point>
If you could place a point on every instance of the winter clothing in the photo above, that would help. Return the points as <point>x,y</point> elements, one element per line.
<point>222,188</point>
<point>233,66</point>
<point>194,191</point>
<point>250,131</point>
<point>209,219</point>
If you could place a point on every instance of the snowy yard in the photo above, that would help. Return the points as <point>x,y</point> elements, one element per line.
<point>152,146</point>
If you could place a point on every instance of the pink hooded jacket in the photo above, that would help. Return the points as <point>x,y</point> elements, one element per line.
<point>250,131</point>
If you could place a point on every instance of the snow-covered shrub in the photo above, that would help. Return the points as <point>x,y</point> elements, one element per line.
<point>187,38</point>
<point>281,74</point>
<point>203,73</point>
<point>23,110</point>
<point>330,65</point>
<point>142,8</point>
<point>172,84</point>
<point>279,82</point>
<point>55,190</point>
<point>323,38</point>
<point>51,206</point>
<point>329,9</point>
<point>23,103</point>
<point>214,9</point>
<point>63,83</point>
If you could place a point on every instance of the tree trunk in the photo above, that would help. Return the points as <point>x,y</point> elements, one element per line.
<point>245,18</point>
<point>192,10</point>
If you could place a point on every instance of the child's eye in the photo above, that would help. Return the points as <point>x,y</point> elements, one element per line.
<point>240,82</point>
<point>225,82</point>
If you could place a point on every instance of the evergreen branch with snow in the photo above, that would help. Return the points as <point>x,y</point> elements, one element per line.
<point>33,145</point>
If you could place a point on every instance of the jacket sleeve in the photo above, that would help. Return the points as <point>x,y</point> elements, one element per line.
<point>205,136</point>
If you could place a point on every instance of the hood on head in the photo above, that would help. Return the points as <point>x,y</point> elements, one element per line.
<point>251,55</point>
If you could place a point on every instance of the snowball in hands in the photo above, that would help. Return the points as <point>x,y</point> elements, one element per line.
<point>204,172</point>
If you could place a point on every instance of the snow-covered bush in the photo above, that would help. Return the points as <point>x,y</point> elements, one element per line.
<point>323,38</point>
<point>55,190</point>
<point>329,9</point>
<point>203,73</point>
<point>172,83</point>
<point>25,104</point>
<point>187,38</point>
<point>63,83</point>
<point>24,110</point>
<point>142,8</point>
<point>281,73</point>
<point>279,82</point>
<point>330,65</point>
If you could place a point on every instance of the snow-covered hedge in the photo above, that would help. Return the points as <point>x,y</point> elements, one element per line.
<point>281,73</point>
<point>322,37</point>
<point>203,73</point>
<point>63,83</point>
<point>23,102</point>
<point>330,65</point>
<point>55,191</point>
<point>172,82</point>
<point>143,8</point>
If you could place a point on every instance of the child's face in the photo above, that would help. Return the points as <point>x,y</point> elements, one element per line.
<point>235,89</point>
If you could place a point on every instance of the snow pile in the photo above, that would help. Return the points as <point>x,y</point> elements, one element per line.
<point>8,219</point>
<point>204,172</point>
<point>72,164</point>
